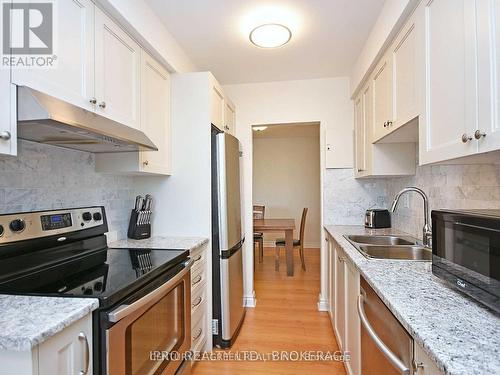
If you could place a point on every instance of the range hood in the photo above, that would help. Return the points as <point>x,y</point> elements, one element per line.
<point>45,119</point>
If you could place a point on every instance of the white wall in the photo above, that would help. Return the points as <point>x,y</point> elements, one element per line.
<point>146,27</point>
<point>286,178</point>
<point>321,100</point>
<point>390,19</point>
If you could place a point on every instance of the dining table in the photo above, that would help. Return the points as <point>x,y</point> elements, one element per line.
<point>286,226</point>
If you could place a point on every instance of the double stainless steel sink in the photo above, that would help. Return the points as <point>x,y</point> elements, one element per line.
<point>390,247</point>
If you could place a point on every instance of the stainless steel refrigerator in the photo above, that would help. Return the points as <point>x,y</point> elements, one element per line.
<point>227,239</point>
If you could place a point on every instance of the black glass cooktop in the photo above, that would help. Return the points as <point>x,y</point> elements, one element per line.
<point>107,274</point>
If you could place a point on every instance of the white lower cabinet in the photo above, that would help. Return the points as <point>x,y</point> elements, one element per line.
<point>423,364</point>
<point>199,300</point>
<point>67,352</point>
<point>343,293</point>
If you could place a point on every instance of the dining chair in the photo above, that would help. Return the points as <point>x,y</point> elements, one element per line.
<point>258,238</point>
<point>280,242</point>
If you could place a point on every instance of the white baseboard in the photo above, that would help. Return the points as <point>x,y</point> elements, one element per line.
<point>308,245</point>
<point>250,301</point>
<point>323,304</point>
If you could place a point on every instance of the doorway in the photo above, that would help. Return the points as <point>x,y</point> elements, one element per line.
<point>287,179</point>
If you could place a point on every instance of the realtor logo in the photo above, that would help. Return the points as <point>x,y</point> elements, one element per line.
<point>28,34</point>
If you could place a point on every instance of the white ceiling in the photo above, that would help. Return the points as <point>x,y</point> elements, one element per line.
<point>328,36</point>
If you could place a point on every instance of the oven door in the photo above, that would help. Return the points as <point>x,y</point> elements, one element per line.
<point>145,330</point>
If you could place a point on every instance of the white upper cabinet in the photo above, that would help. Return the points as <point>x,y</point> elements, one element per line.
<point>383,159</point>
<point>223,113</point>
<point>155,123</point>
<point>217,107</point>
<point>404,66</point>
<point>72,80</point>
<point>229,117</point>
<point>360,136</point>
<point>382,97</point>
<point>488,24</point>
<point>155,115</point>
<point>117,72</point>
<point>8,124</point>
<point>450,113</point>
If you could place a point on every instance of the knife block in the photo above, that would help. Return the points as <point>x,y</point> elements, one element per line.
<point>139,227</point>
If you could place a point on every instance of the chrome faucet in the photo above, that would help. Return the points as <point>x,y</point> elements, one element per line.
<point>427,232</point>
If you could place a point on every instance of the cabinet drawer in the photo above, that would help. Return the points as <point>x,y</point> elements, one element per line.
<point>198,277</point>
<point>199,256</point>
<point>198,298</point>
<point>198,327</point>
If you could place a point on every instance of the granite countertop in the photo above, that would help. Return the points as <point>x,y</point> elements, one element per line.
<point>27,321</point>
<point>458,334</point>
<point>161,242</point>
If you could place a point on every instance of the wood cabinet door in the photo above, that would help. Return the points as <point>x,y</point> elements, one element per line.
<point>217,117</point>
<point>404,65</point>
<point>360,135</point>
<point>69,351</point>
<point>449,75</point>
<point>155,115</point>
<point>72,78</point>
<point>117,72</point>
<point>382,98</point>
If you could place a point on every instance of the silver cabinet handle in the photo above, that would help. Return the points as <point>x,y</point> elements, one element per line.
<point>197,303</point>
<point>197,258</point>
<point>93,101</point>
<point>466,138</point>
<point>102,105</point>
<point>86,353</point>
<point>196,281</point>
<point>478,134</point>
<point>385,124</point>
<point>389,123</point>
<point>5,135</point>
<point>198,334</point>
<point>396,362</point>
<point>145,162</point>
<point>124,310</point>
<point>417,366</point>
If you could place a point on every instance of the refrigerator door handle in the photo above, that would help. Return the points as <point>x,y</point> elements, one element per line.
<point>226,254</point>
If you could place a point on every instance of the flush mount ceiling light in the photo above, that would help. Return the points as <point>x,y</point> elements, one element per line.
<point>270,35</point>
<point>259,128</point>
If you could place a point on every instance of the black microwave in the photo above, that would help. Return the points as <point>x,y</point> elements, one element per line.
<point>466,252</point>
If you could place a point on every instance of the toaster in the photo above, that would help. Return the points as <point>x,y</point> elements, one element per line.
<point>377,218</point>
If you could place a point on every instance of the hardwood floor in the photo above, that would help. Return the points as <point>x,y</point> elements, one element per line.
<point>286,319</point>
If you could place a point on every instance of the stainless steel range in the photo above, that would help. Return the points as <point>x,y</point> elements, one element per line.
<point>144,295</point>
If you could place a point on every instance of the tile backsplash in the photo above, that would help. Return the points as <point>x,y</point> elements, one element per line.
<point>447,186</point>
<point>46,177</point>
<point>345,199</point>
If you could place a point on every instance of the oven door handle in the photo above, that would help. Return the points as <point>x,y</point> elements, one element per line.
<point>124,310</point>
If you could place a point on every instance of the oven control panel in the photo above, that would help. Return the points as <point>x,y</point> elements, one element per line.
<point>29,225</point>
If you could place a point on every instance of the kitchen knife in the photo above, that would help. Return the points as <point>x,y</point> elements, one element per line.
<point>139,201</point>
